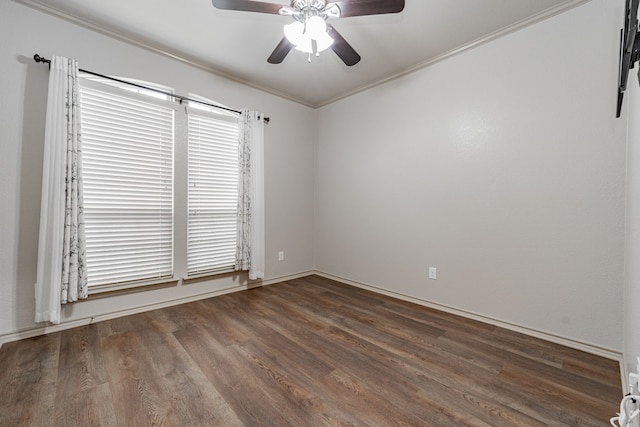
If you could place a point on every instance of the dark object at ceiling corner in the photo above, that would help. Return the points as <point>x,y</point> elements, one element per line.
<point>629,49</point>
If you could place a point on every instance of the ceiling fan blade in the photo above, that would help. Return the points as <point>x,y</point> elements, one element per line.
<point>247,6</point>
<point>368,7</point>
<point>343,49</point>
<point>280,52</point>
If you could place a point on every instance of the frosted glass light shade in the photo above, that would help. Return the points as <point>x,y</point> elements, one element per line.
<point>293,32</point>
<point>302,40</point>
<point>316,27</point>
<point>324,41</point>
<point>305,45</point>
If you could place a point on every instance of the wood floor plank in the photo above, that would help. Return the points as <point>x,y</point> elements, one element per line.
<point>194,401</point>
<point>301,391</point>
<point>28,387</point>
<point>410,377</point>
<point>568,378</point>
<point>250,400</point>
<point>308,365</point>
<point>90,407</point>
<point>79,366</point>
<point>137,322</point>
<point>82,380</point>
<point>589,370</point>
<point>372,380</point>
<point>136,390</point>
<point>305,352</point>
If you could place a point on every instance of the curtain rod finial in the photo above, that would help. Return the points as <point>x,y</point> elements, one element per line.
<point>39,58</point>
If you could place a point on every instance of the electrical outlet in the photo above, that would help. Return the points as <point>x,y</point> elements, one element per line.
<point>281,256</point>
<point>433,273</point>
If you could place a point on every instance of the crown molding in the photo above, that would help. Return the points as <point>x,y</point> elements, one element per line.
<point>553,11</point>
<point>150,46</point>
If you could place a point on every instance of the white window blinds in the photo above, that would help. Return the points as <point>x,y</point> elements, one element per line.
<point>213,191</point>
<point>128,184</point>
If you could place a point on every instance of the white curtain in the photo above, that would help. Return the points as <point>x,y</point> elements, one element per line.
<point>250,250</point>
<point>61,274</point>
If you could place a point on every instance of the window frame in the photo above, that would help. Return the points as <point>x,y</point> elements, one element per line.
<point>218,115</point>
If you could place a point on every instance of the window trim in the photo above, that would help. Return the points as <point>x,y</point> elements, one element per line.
<point>92,84</point>
<point>218,115</point>
<point>136,284</point>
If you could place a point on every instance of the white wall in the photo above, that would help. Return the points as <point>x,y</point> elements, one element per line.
<point>632,265</point>
<point>23,93</point>
<point>503,166</point>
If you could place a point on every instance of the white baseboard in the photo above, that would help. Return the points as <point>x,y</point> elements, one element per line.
<point>47,329</point>
<point>557,339</point>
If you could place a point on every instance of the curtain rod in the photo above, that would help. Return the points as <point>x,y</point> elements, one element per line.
<point>180,98</point>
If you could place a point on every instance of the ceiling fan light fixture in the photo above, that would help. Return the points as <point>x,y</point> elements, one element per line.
<point>315,27</point>
<point>324,42</point>
<point>303,40</point>
<point>310,33</point>
<point>306,46</point>
<point>294,32</point>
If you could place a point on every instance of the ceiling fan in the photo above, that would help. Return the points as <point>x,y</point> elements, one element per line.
<point>309,31</point>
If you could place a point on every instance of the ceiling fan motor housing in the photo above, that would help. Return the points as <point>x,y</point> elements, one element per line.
<point>314,4</point>
<point>302,10</point>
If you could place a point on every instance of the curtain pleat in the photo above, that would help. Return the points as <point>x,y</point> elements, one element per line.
<point>250,253</point>
<point>61,274</point>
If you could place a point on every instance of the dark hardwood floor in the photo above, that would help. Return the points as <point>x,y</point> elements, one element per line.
<point>308,352</point>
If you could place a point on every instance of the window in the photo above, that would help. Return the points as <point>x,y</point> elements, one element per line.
<point>139,151</point>
<point>213,191</point>
<point>128,185</point>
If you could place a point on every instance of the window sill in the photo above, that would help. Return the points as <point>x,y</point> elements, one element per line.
<point>210,274</point>
<point>127,286</point>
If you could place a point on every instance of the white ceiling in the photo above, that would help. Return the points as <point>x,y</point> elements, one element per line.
<point>237,44</point>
